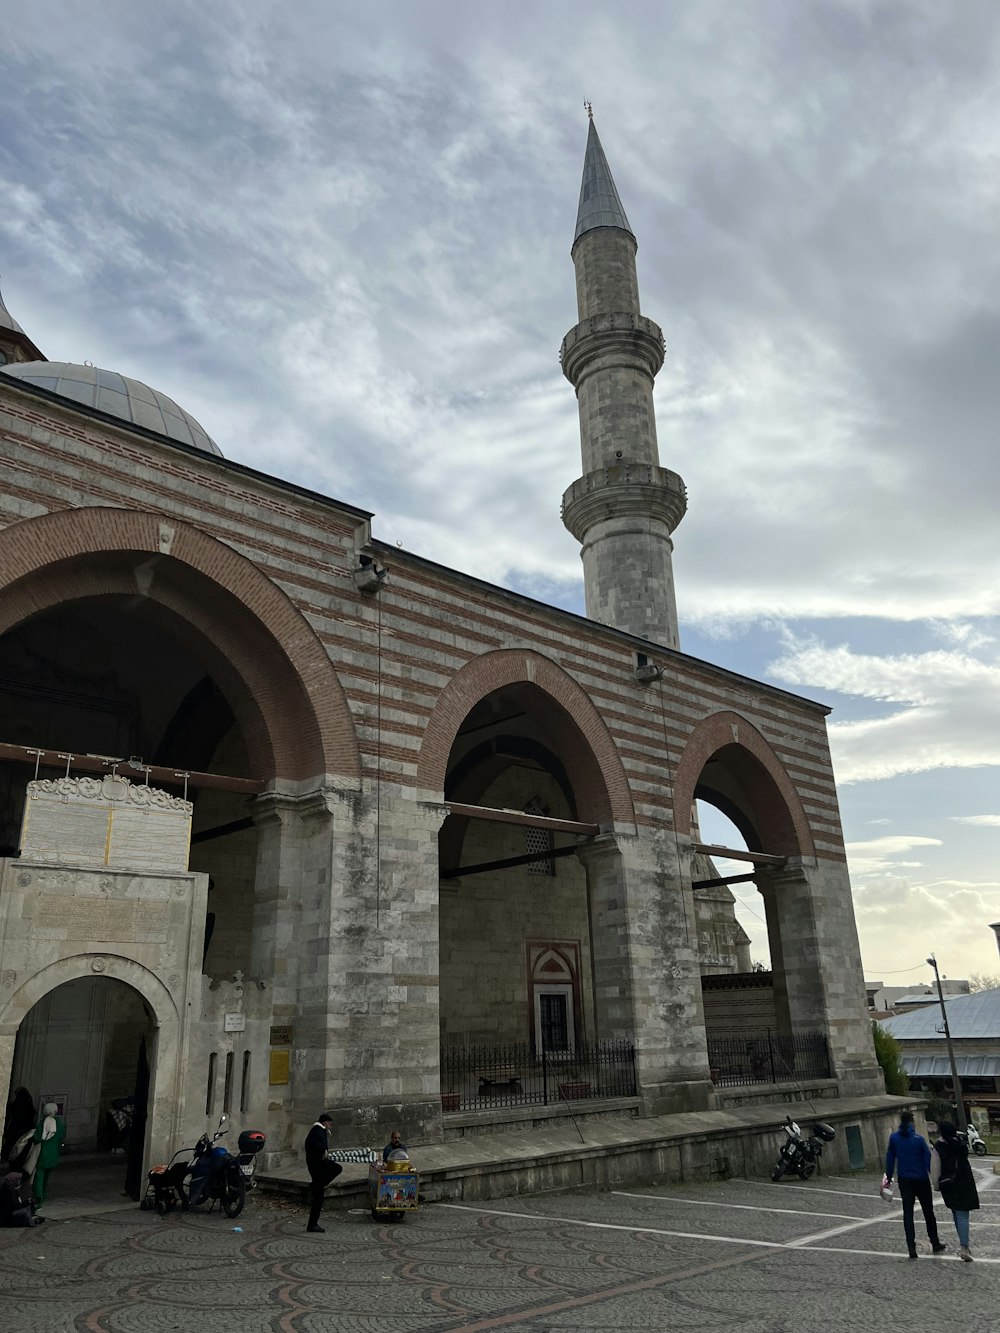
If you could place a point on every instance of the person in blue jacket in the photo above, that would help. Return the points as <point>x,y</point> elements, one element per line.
<point>909,1156</point>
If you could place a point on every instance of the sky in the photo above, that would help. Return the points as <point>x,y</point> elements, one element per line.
<point>339,236</point>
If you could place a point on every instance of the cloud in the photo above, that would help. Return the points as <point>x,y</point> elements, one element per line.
<point>363,269</point>
<point>984,821</point>
<point>880,854</point>
<point>947,713</point>
<point>901,921</point>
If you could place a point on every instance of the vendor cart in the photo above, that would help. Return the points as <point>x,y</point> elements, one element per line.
<point>393,1189</point>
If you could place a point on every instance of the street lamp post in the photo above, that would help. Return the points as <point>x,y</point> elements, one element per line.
<point>963,1124</point>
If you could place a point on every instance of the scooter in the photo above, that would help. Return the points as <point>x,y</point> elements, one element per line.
<point>975,1142</point>
<point>801,1156</point>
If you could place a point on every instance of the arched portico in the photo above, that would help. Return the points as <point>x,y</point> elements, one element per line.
<point>191,647</point>
<point>728,763</point>
<point>514,732</point>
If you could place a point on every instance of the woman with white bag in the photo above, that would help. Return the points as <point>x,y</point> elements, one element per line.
<point>952,1175</point>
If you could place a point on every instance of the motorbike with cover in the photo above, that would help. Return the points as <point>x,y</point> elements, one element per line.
<point>800,1156</point>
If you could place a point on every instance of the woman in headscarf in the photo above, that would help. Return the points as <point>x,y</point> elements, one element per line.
<point>21,1117</point>
<point>952,1175</point>
<point>49,1136</point>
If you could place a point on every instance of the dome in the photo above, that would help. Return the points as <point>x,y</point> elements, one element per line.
<point>119,396</point>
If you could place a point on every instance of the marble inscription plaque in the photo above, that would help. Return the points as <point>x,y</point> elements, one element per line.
<point>96,822</point>
<point>103,920</point>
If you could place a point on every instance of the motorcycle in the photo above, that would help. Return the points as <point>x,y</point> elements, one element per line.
<point>975,1142</point>
<point>801,1156</point>
<point>207,1172</point>
<point>221,1176</point>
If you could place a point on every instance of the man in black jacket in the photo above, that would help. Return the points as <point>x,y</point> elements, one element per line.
<point>321,1170</point>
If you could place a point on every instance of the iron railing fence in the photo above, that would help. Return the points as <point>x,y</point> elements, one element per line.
<point>481,1077</point>
<point>761,1055</point>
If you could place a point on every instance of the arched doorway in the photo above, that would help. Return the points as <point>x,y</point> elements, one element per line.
<point>87,1046</point>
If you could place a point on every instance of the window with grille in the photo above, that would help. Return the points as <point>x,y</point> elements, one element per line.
<point>538,840</point>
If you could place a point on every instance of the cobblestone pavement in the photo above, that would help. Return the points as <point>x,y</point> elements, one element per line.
<point>762,1258</point>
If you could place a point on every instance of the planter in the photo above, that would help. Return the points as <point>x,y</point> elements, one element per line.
<point>449,1101</point>
<point>574,1091</point>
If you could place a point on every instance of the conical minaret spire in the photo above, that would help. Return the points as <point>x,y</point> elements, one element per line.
<point>625,506</point>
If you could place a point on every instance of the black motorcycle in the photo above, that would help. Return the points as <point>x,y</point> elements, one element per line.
<point>799,1156</point>
<point>208,1172</point>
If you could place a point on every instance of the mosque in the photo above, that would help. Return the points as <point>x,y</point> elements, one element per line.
<point>291,818</point>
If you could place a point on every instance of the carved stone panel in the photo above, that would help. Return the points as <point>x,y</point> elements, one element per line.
<point>95,822</point>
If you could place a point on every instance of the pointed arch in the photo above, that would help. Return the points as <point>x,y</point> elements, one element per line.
<point>575,730</point>
<point>231,616</point>
<point>757,793</point>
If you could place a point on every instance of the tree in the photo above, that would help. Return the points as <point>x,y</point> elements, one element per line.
<point>889,1056</point>
<point>984,981</point>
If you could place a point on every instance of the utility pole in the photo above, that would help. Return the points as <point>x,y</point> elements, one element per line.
<point>963,1123</point>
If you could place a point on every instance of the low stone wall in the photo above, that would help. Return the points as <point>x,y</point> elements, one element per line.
<point>767,1094</point>
<point>672,1149</point>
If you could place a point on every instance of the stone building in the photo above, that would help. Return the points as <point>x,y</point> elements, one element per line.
<point>290,818</point>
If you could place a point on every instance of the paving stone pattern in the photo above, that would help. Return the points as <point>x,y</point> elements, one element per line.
<point>762,1258</point>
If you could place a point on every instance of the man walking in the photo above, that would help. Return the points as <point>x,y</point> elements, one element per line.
<point>321,1170</point>
<point>909,1155</point>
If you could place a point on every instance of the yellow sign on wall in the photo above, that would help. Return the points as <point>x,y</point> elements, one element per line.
<point>280,1068</point>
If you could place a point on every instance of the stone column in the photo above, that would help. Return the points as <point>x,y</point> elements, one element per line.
<point>810,904</point>
<point>294,841</point>
<point>647,980</point>
<point>380,983</point>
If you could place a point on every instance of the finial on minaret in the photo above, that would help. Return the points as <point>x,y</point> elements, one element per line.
<point>590,110</point>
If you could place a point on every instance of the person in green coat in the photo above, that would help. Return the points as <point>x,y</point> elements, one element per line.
<point>49,1136</point>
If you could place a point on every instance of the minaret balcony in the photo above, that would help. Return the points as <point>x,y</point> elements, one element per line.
<point>627,490</point>
<point>610,342</point>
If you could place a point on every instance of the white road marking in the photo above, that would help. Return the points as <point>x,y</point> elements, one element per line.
<point>746,1207</point>
<point>703,1236</point>
<point>812,1189</point>
<point>614,1226</point>
<point>839,1231</point>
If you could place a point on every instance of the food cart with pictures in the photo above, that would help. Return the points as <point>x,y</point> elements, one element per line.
<point>393,1187</point>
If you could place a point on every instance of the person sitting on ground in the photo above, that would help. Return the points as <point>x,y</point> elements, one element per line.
<point>395,1149</point>
<point>15,1209</point>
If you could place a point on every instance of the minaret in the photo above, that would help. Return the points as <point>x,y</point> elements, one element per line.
<point>625,506</point>
<point>15,345</point>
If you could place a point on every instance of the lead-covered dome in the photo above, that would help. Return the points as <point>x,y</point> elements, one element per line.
<point>119,396</point>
